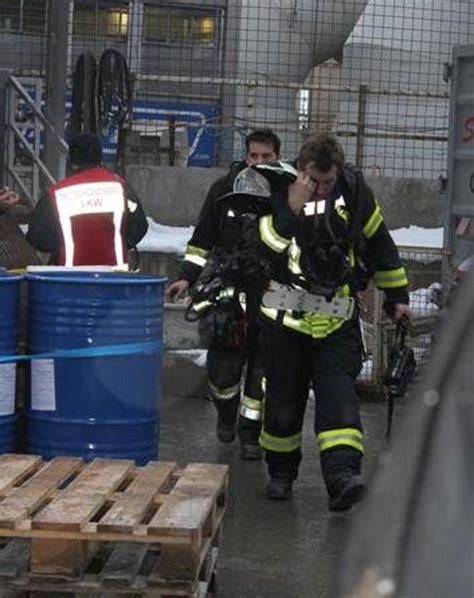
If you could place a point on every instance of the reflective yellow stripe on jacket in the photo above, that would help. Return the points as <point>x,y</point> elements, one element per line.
<point>196,255</point>
<point>373,223</point>
<point>316,325</point>
<point>312,324</point>
<point>390,279</point>
<point>269,235</point>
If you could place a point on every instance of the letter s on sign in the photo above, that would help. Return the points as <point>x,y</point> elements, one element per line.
<point>468,129</point>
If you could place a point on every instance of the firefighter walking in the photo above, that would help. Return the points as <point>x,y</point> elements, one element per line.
<point>217,261</point>
<point>325,237</point>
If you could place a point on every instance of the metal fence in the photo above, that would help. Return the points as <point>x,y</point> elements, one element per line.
<point>371,71</point>
<point>425,269</point>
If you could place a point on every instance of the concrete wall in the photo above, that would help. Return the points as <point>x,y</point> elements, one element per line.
<point>174,195</point>
<point>408,202</point>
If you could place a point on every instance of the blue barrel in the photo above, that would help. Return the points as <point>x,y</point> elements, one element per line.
<point>86,402</point>
<point>9,301</point>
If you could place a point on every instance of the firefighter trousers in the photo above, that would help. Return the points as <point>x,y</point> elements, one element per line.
<point>225,370</point>
<point>294,361</point>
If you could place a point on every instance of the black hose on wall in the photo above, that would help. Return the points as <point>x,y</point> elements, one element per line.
<point>101,97</point>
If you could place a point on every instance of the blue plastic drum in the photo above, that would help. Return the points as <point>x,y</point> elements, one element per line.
<point>9,301</point>
<point>97,397</point>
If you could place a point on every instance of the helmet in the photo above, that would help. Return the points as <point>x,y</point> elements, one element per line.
<point>250,182</point>
<point>253,186</point>
<point>277,172</point>
<point>250,193</point>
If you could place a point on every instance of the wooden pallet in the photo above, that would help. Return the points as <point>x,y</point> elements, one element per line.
<point>148,529</point>
<point>124,569</point>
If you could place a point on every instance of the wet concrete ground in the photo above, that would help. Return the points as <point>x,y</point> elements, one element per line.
<point>269,549</point>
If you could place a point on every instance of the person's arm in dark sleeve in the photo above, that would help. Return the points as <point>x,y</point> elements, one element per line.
<point>389,274</point>
<point>137,224</point>
<point>43,228</point>
<point>277,228</point>
<point>203,238</point>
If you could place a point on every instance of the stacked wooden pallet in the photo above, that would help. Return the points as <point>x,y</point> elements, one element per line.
<point>108,526</point>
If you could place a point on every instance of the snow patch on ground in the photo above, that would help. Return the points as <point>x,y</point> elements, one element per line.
<point>165,239</point>
<point>173,239</point>
<point>197,356</point>
<point>414,236</point>
<point>422,301</point>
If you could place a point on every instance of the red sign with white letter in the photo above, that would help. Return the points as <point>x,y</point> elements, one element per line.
<point>468,129</point>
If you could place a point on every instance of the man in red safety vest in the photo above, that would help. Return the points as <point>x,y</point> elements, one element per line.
<point>88,218</point>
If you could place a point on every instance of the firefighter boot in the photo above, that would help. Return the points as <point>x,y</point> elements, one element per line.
<point>279,488</point>
<point>249,432</point>
<point>226,419</point>
<point>341,472</point>
<point>283,471</point>
<point>250,452</point>
<point>345,492</point>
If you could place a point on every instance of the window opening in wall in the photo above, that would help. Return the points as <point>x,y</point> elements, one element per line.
<point>180,26</point>
<point>95,19</point>
<point>25,16</point>
<point>303,99</point>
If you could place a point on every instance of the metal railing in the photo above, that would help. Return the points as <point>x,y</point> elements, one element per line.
<point>25,126</point>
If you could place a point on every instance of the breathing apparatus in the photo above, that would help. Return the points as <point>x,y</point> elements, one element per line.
<point>323,255</point>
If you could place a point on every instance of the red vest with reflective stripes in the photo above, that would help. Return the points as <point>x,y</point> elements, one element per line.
<point>91,210</point>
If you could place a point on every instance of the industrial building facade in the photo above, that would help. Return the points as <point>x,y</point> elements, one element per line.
<point>371,71</point>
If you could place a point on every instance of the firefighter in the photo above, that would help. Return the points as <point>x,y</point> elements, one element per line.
<point>216,244</point>
<point>89,218</point>
<point>326,236</point>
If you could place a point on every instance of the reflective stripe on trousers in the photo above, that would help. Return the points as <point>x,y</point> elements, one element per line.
<point>330,439</point>
<point>250,408</point>
<point>223,394</point>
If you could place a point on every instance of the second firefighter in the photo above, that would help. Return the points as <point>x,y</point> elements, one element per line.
<point>224,281</point>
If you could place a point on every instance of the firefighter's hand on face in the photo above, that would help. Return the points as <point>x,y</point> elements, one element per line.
<point>401,310</point>
<point>177,290</point>
<point>300,192</point>
<point>8,198</point>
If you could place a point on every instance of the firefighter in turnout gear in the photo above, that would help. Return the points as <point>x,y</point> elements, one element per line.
<point>89,218</point>
<point>326,237</point>
<point>221,272</point>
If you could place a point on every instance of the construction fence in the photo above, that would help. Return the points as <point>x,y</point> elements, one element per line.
<point>425,270</point>
<point>374,72</point>
<point>192,80</point>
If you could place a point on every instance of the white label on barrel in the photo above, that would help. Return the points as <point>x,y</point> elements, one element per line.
<point>7,388</point>
<point>43,388</point>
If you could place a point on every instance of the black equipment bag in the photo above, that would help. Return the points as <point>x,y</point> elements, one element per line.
<point>223,325</point>
<point>400,368</point>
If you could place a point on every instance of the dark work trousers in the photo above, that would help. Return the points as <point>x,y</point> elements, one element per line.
<point>225,368</point>
<point>294,360</point>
